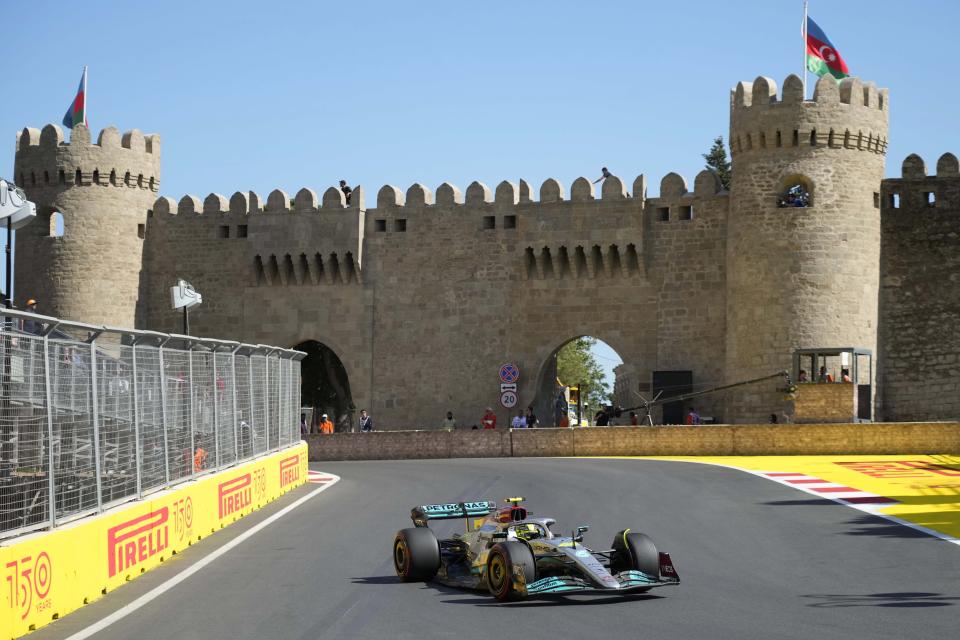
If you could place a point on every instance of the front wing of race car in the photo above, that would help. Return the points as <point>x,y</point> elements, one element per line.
<point>627,582</point>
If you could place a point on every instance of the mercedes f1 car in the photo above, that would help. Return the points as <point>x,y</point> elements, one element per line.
<point>514,555</point>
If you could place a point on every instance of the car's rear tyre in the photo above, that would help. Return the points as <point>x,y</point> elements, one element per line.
<point>416,554</point>
<point>501,561</point>
<point>635,551</point>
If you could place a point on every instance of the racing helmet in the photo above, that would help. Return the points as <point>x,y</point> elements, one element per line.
<point>527,531</point>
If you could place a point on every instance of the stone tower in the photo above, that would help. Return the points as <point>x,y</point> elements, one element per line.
<point>103,192</point>
<point>801,276</point>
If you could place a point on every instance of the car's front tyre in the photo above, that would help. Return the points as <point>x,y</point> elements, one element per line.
<point>635,551</point>
<point>502,561</point>
<point>416,554</point>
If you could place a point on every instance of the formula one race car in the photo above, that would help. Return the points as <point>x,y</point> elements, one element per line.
<point>514,555</point>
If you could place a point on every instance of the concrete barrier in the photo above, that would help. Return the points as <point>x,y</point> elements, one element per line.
<point>49,574</point>
<point>707,440</point>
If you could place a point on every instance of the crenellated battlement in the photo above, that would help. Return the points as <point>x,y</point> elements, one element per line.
<point>45,160</point>
<point>918,193</point>
<point>846,115</point>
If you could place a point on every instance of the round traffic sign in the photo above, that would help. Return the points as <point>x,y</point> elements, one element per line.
<point>509,373</point>
<point>508,399</point>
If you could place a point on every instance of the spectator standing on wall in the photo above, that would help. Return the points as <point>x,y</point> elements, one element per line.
<point>845,375</point>
<point>606,174</point>
<point>634,420</point>
<point>519,421</point>
<point>347,191</point>
<point>449,423</point>
<point>489,420</point>
<point>303,424</point>
<point>692,417</point>
<point>803,376</point>
<point>532,420</point>
<point>366,422</point>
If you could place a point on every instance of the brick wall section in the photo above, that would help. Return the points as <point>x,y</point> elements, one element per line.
<point>920,293</point>
<point>711,440</point>
<point>835,402</point>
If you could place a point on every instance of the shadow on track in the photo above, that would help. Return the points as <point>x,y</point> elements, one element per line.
<point>481,599</point>
<point>905,599</point>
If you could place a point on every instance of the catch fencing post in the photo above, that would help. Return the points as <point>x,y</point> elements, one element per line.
<point>236,418</point>
<point>94,410</point>
<point>193,450</point>
<point>163,412</point>
<point>135,387</point>
<point>49,400</point>
<point>216,412</point>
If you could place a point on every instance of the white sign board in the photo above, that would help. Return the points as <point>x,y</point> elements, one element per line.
<point>184,295</point>
<point>508,399</point>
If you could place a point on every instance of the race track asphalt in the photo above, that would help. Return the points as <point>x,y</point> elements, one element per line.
<point>756,560</point>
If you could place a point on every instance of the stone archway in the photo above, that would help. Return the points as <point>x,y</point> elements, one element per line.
<point>546,388</point>
<point>325,386</point>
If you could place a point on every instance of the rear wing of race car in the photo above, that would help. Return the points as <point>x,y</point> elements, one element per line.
<point>452,511</point>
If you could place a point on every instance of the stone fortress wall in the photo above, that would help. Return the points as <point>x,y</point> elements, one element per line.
<point>425,294</point>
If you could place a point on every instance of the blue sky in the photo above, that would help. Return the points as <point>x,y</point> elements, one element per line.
<point>254,95</point>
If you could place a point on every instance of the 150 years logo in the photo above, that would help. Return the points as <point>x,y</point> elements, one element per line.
<point>132,542</point>
<point>29,580</point>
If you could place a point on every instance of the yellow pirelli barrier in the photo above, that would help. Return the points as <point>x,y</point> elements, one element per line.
<point>50,574</point>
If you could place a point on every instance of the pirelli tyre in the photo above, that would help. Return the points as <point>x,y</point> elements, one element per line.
<point>502,564</point>
<point>635,551</point>
<point>416,554</point>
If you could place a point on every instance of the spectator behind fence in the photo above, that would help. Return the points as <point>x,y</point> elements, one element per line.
<point>199,459</point>
<point>803,376</point>
<point>489,420</point>
<point>519,421</point>
<point>532,420</point>
<point>449,423</point>
<point>326,425</point>
<point>692,417</point>
<point>366,422</point>
<point>824,376</point>
<point>845,375</point>
<point>303,424</point>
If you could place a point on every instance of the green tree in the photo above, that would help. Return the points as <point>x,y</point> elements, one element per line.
<point>576,364</point>
<point>718,163</point>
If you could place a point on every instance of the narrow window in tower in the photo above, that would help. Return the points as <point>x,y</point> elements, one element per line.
<point>62,177</point>
<point>779,139</point>
<point>663,214</point>
<point>126,179</point>
<point>749,142</point>
<point>686,212</point>
<point>763,140</point>
<point>46,177</point>
<point>489,222</point>
<point>797,193</point>
<point>894,200</point>
<point>140,181</point>
<point>241,231</point>
<point>380,225</point>
<point>930,198</point>
<point>509,222</point>
<point>813,137</point>
<point>78,177</point>
<point>141,231</point>
<point>33,179</point>
<point>96,176</point>
<point>400,225</point>
<point>830,139</point>
<point>846,139</point>
<point>876,199</point>
<point>223,231</point>
<point>796,137</point>
<point>151,184</point>
<point>56,228</point>
<point>113,177</point>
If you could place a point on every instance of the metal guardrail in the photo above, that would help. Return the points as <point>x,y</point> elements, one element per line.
<point>92,416</point>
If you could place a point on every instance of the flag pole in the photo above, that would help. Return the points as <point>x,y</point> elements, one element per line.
<point>804,49</point>
<point>86,98</point>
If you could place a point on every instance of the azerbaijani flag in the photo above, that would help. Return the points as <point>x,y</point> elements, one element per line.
<point>77,113</point>
<point>822,56</point>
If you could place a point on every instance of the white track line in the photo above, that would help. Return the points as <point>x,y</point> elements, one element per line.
<point>160,589</point>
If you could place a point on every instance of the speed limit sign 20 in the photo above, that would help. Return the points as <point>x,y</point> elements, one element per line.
<point>508,399</point>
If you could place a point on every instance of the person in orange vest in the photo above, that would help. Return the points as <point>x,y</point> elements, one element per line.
<point>199,459</point>
<point>326,425</point>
